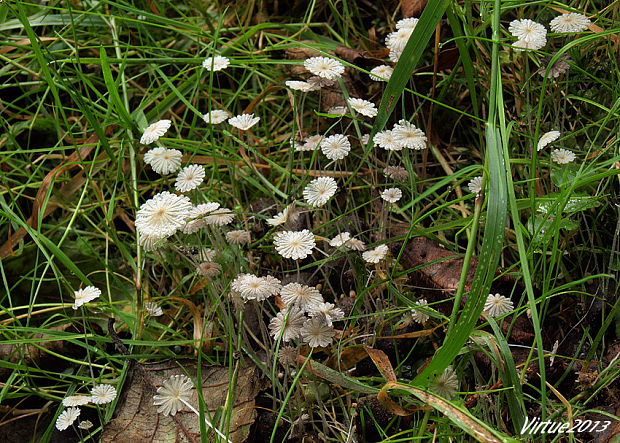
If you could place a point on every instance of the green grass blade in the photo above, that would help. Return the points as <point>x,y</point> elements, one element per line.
<point>408,61</point>
<point>510,379</point>
<point>459,415</point>
<point>404,68</point>
<point>113,90</point>
<point>492,241</point>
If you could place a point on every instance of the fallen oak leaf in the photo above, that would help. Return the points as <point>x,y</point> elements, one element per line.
<point>144,376</point>
<point>438,272</point>
<point>434,265</point>
<point>439,269</point>
<point>357,56</point>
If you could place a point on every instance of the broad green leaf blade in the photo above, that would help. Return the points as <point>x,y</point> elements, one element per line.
<point>494,230</point>
<point>487,264</point>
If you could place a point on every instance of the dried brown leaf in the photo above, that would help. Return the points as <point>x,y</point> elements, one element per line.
<point>301,53</point>
<point>440,269</point>
<point>394,407</point>
<point>347,358</point>
<point>137,420</point>
<point>202,332</point>
<point>357,56</point>
<point>412,8</point>
<point>437,267</point>
<point>382,362</point>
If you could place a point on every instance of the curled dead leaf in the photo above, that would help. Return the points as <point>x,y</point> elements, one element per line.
<point>439,270</point>
<point>382,362</point>
<point>395,408</point>
<point>203,331</point>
